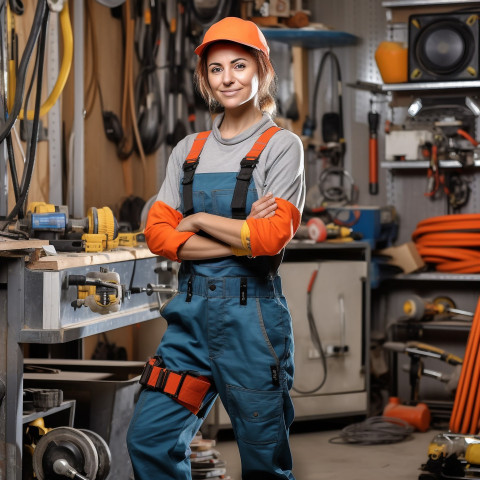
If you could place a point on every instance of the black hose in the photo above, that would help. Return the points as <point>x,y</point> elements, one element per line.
<point>10,151</point>
<point>317,343</point>
<point>13,166</point>
<point>22,69</point>
<point>28,171</point>
<point>334,58</point>
<point>211,15</point>
<point>148,101</point>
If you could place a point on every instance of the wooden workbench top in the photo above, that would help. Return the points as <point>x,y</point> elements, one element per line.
<point>63,261</point>
<point>7,245</point>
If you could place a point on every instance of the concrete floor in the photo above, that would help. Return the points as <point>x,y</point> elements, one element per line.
<point>316,459</point>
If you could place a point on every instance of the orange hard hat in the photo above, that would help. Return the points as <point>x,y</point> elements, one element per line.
<point>234,29</point>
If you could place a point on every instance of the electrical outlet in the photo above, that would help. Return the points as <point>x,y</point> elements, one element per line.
<point>313,353</point>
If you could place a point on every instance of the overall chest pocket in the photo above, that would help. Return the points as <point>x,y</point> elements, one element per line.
<point>198,201</point>
<point>222,200</point>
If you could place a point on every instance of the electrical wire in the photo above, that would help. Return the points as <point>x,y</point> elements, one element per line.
<point>92,78</point>
<point>67,37</point>
<point>336,63</point>
<point>337,193</point>
<point>209,16</point>
<point>31,152</point>
<point>317,343</point>
<point>22,69</point>
<point>375,431</point>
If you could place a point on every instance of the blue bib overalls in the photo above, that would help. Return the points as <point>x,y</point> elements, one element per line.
<point>229,322</point>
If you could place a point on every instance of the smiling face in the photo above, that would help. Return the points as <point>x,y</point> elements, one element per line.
<point>232,74</point>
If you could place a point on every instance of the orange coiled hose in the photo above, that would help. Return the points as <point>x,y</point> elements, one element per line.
<point>450,242</point>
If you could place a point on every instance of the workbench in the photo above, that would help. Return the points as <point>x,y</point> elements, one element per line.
<point>36,307</point>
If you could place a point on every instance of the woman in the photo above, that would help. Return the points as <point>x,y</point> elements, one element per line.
<point>229,330</point>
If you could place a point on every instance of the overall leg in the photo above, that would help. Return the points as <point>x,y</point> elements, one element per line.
<point>253,372</point>
<point>159,438</point>
<point>161,429</point>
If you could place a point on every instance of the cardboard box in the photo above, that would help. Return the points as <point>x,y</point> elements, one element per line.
<point>404,256</point>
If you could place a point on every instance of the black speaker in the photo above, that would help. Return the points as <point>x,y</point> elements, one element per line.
<point>443,47</point>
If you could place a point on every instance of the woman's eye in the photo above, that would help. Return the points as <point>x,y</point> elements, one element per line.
<point>215,69</point>
<point>240,66</point>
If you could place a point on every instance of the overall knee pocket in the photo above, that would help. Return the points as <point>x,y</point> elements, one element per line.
<point>256,415</point>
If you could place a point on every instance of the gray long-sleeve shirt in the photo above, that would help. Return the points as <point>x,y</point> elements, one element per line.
<point>280,169</point>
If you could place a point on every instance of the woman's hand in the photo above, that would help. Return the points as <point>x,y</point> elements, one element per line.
<point>264,207</point>
<point>190,223</point>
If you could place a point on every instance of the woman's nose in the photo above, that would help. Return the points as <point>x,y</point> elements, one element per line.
<point>227,77</point>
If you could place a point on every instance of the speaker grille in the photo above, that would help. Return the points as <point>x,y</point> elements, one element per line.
<point>443,47</point>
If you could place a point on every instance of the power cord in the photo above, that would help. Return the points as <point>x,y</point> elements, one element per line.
<point>317,343</point>
<point>375,431</point>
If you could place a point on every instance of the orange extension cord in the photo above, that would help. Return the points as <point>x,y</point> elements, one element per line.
<point>466,407</point>
<point>451,242</point>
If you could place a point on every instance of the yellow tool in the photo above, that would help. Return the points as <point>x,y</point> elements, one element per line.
<point>98,231</point>
<point>452,452</point>
<point>100,291</point>
<point>417,308</point>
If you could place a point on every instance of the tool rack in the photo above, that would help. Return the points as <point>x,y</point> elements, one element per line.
<point>35,307</point>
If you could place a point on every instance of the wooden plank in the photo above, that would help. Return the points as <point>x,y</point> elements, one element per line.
<point>8,245</point>
<point>72,260</point>
<point>300,80</point>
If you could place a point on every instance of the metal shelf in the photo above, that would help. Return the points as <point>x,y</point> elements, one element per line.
<point>415,86</point>
<point>437,277</point>
<point>423,164</point>
<point>67,405</point>
<point>90,327</point>
<point>310,38</point>
<point>422,3</point>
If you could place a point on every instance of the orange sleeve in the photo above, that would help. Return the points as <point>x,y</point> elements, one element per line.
<point>269,235</point>
<point>160,234</point>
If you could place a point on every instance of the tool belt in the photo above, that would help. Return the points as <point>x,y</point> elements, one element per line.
<point>185,388</point>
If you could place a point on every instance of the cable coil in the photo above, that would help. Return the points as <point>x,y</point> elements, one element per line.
<point>450,242</point>
<point>374,431</point>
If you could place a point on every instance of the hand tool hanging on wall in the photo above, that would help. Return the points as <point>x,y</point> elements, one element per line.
<point>148,101</point>
<point>125,133</point>
<point>332,122</point>
<point>206,14</point>
<point>181,101</point>
<point>373,121</point>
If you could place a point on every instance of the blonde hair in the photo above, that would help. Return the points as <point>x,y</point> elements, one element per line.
<point>267,81</point>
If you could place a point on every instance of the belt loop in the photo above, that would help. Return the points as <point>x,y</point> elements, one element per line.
<point>189,290</point>
<point>243,291</point>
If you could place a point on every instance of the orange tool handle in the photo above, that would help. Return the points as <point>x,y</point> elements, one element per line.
<point>373,164</point>
<point>373,119</point>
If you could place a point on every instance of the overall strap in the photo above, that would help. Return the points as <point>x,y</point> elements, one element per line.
<point>189,167</point>
<point>239,200</point>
